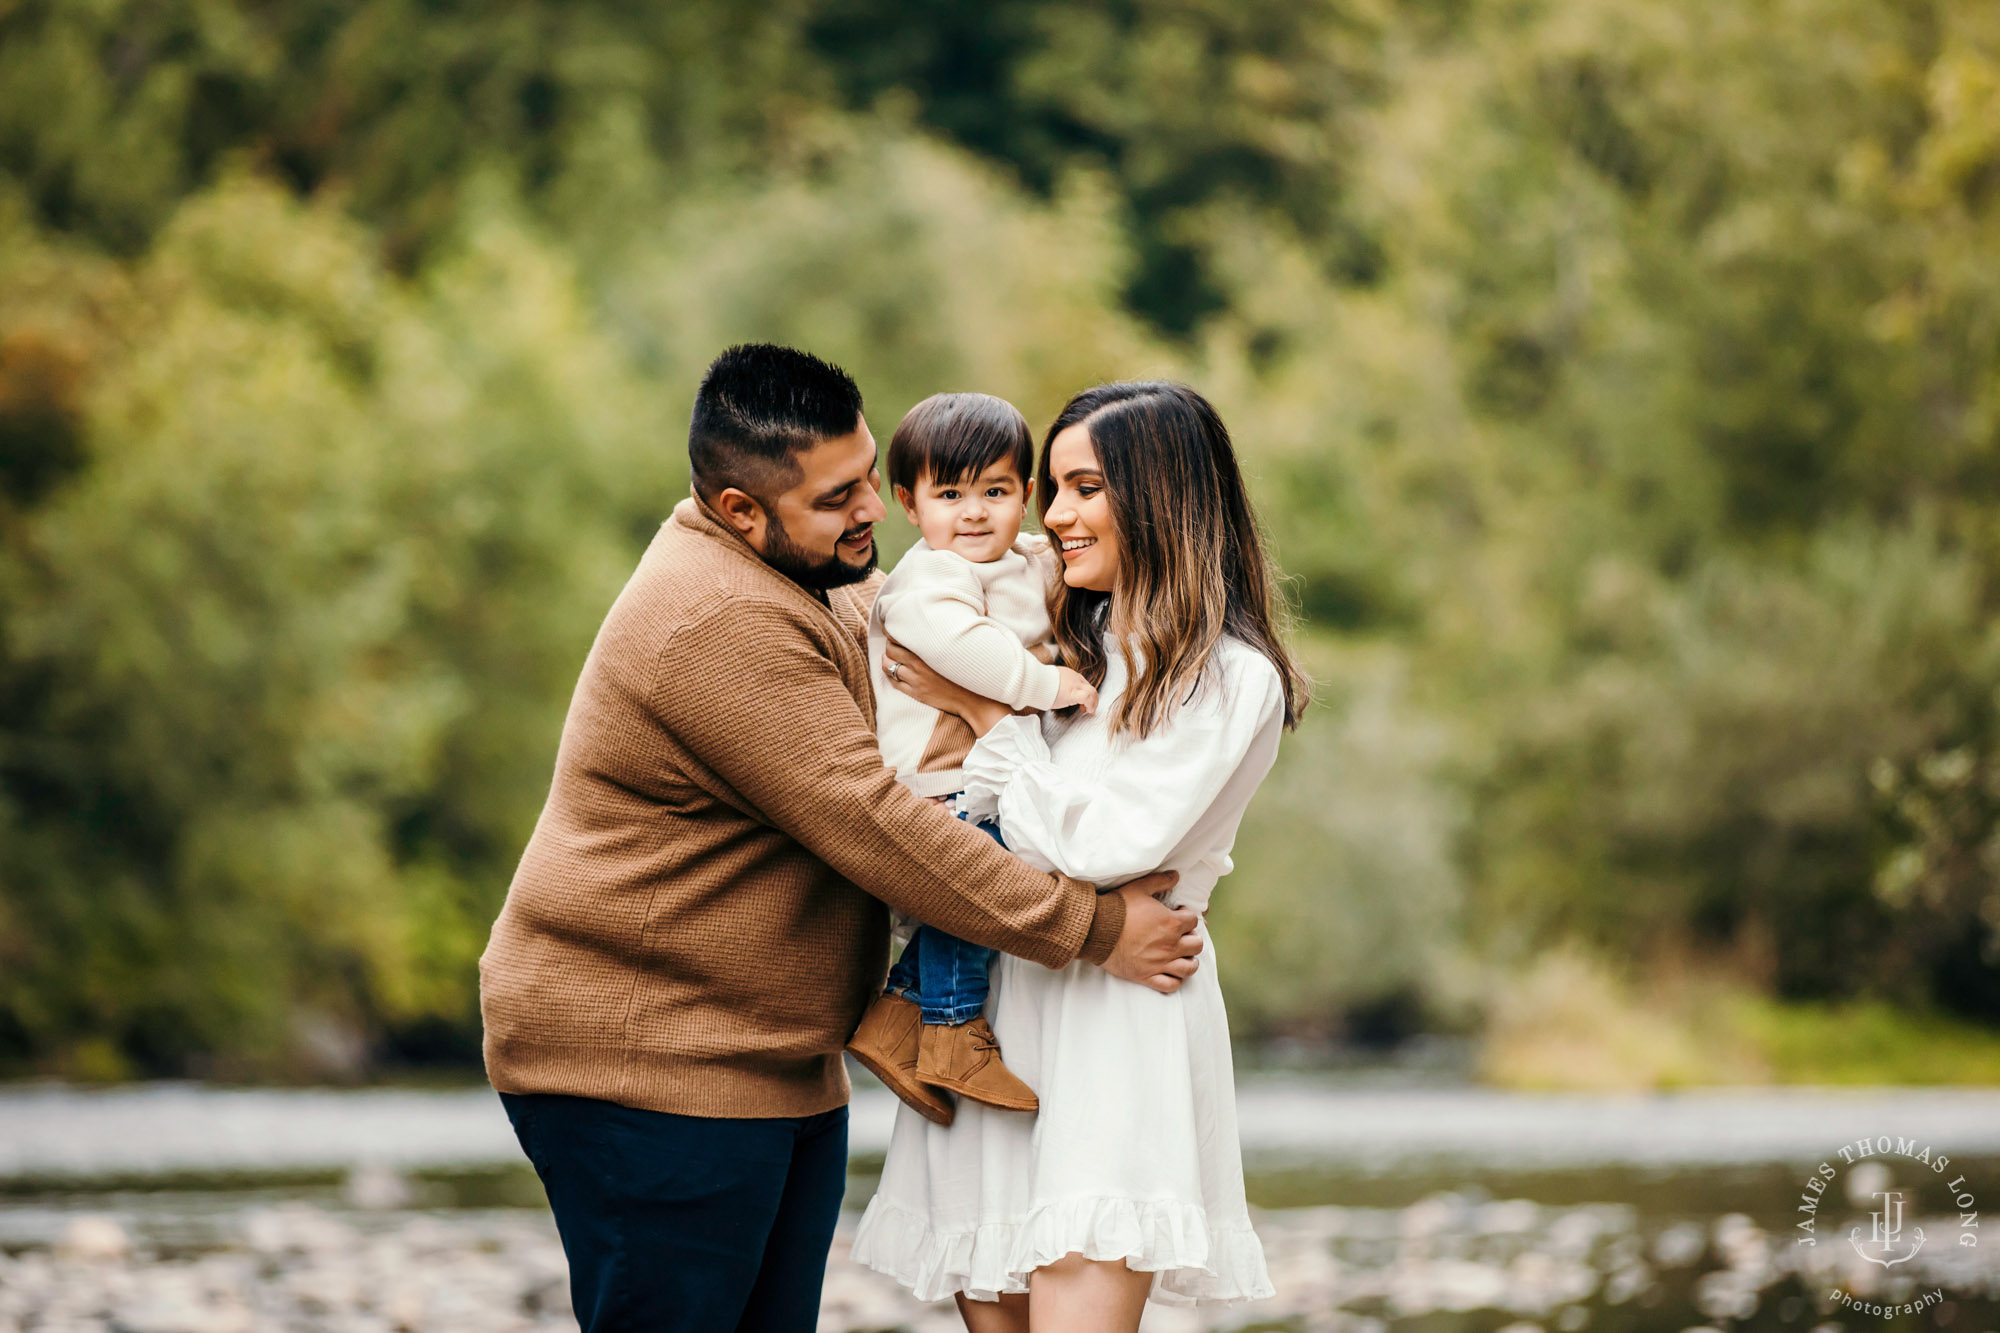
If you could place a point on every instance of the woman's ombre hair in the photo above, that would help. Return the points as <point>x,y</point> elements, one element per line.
<point>1192,565</point>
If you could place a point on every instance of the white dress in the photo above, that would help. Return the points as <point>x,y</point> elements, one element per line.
<point>1134,1153</point>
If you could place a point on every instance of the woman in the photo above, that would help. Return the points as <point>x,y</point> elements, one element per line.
<point>1129,1181</point>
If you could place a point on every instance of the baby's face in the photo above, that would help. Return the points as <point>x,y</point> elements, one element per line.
<point>978,517</point>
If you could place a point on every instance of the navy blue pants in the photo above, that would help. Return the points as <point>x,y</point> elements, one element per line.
<point>945,975</point>
<point>676,1222</point>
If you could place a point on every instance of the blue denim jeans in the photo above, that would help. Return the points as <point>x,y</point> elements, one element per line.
<point>944,974</point>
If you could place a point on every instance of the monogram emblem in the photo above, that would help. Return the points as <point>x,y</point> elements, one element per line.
<point>1886,1233</point>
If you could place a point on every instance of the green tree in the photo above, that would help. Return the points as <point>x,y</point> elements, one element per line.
<point>279,660</point>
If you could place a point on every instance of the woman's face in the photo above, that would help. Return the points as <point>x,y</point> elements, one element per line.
<point>1079,516</point>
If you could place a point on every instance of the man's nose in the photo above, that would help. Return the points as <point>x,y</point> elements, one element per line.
<point>872,510</point>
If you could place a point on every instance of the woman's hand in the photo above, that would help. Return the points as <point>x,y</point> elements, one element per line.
<point>908,673</point>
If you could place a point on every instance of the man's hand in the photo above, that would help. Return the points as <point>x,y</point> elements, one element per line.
<point>1158,945</point>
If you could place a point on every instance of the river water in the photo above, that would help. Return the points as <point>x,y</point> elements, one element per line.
<point>1384,1206</point>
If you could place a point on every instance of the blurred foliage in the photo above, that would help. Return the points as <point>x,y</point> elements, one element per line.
<point>1354,928</point>
<point>1620,382</point>
<point>115,112</point>
<point>283,639</point>
<point>1572,1022</point>
<point>1197,110</point>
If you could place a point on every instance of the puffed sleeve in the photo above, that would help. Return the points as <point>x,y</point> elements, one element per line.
<point>1126,820</point>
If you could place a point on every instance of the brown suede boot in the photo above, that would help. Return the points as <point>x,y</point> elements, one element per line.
<point>886,1042</point>
<point>966,1059</point>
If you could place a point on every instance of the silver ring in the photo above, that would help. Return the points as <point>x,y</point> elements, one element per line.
<point>890,667</point>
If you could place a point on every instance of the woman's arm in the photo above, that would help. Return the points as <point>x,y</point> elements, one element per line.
<point>914,677</point>
<point>940,615</point>
<point>983,715</point>
<point>1130,816</point>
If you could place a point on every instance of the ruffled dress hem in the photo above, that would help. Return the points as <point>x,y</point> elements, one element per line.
<point>1196,1263</point>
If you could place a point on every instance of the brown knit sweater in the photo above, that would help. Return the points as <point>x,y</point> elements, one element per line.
<point>698,921</point>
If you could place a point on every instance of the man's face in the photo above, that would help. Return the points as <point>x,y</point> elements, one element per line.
<point>820,531</point>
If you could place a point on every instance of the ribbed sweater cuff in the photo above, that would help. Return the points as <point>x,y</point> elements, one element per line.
<point>1044,684</point>
<point>1105,927</point>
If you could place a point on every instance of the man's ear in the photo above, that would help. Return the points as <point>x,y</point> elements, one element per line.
<point>740,510</point>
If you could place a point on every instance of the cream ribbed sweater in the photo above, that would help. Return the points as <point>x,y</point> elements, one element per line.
<point>978,624</point>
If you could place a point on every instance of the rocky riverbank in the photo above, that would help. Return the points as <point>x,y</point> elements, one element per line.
<point>325,1269</point>
<point>252,1210</point>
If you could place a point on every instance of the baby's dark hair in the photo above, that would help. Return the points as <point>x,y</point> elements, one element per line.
<point>951,437</point>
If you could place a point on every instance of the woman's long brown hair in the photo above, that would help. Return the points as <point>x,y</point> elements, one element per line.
<point>1192,564</point>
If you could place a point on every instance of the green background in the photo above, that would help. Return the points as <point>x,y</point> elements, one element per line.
<point>1619,380</point>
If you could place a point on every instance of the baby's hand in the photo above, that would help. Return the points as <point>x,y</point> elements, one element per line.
<point>1075,691</point>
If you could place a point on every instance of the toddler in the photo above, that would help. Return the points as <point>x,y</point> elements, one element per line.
<point>970,599</point>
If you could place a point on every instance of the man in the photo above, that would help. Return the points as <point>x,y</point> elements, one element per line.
<point>699,921</point>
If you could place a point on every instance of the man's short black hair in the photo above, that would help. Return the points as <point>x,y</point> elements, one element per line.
<point>759,405</point>
<point>953,437</point>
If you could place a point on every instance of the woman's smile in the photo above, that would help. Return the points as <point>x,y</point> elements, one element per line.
<point>1079,515</point>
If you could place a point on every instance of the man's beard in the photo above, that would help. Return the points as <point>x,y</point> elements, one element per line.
<point>802,568</point>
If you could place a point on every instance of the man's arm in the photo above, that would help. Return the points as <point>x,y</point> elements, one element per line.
<point>776,722</point>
